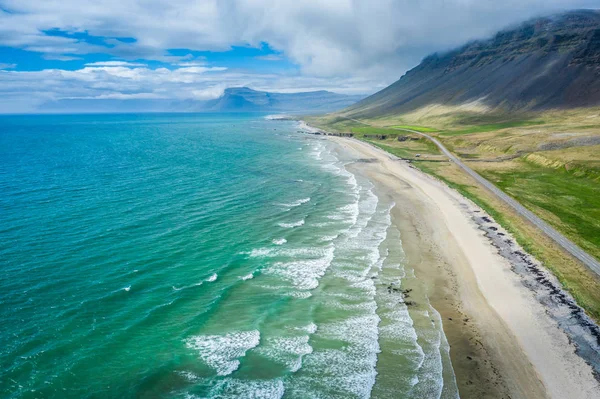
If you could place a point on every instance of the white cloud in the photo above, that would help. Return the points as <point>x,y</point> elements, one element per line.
<point>115,63</point>
<point>208,93</point>
<point>24,91</point>
<point>7,66</point>
<point>191,64</point>
<point>120,96</point>
<point>326,38</point>
<point>54,57</point>
<point>200,69</point>
<point>349,46</point>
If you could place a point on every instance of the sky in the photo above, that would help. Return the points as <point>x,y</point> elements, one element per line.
<point>182,50</point>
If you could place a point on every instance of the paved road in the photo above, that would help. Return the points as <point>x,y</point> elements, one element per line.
<point>561,240</point>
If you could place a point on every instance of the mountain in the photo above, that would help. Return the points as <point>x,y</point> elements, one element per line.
<point>245,99</point>
<point>550,62</point>
<point>237,99</point>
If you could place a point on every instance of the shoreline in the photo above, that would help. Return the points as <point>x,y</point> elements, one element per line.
<point>503,341</point>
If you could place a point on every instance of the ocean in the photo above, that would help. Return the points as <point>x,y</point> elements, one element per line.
<point>201,256</point>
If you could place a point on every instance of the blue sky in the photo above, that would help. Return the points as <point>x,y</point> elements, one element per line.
<point>259,58</point>
<point>55,50</point>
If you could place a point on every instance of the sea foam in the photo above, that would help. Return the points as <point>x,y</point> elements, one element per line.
<point>232,388</point>
<point>260,252</point>
<point>294,203</point>
<point>222,352</point>
<point>304,274</point>
<point>292,225</point>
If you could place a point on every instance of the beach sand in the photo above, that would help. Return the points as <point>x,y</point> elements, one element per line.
<point>503,343</point>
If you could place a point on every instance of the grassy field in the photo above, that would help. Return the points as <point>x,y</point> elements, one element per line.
<point>422,129</point>
<point>415,147</point>
<point>490,128</point>
<point>414,151</point>
<point>568,202</point>
<point>549,162</point>
<point>361,130</point>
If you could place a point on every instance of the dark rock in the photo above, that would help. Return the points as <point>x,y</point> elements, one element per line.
<point>376,136</point>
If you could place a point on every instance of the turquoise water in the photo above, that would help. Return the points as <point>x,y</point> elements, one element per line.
<point>209,256</point>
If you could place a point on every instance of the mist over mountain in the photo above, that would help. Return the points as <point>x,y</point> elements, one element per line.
<point>549,62</point>
<point>236,99</point>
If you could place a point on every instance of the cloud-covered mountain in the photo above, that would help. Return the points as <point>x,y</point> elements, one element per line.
<point>551,62</point>
<point>237,99</point>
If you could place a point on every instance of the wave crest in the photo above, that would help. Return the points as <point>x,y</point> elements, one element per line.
<point>222,352</point>
<point>292,225</point>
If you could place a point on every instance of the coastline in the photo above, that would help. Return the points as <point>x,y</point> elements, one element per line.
<point>503,342</point>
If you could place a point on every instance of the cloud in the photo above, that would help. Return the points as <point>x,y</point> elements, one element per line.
<point>208,93</point>
<point>200,69</point>
<point>54,57</point>
<point>7,66</point>
<point>27,91</point>
<point>115,63</point>
<point>349,46</point>
<point>120,96</point>
<point>191,64</point>
<point>270,57</point>
<point>325,38</point>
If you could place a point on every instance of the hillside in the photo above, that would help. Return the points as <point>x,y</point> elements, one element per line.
<point>545,63</point>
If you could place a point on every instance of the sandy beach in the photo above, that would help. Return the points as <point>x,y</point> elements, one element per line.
<point>503,342</point>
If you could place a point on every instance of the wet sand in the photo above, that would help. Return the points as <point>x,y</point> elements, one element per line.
<point>503,343</point>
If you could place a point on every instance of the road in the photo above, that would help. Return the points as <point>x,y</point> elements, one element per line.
<point>588,260</point>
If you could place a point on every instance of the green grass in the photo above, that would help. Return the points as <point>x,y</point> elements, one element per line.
<point>362,130</point>
<point>421,129</point>
<point>491,127</point>
<point>587,127</point>
<point>406,150</point>
<point>431,147</point>
<point>570,203</point>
